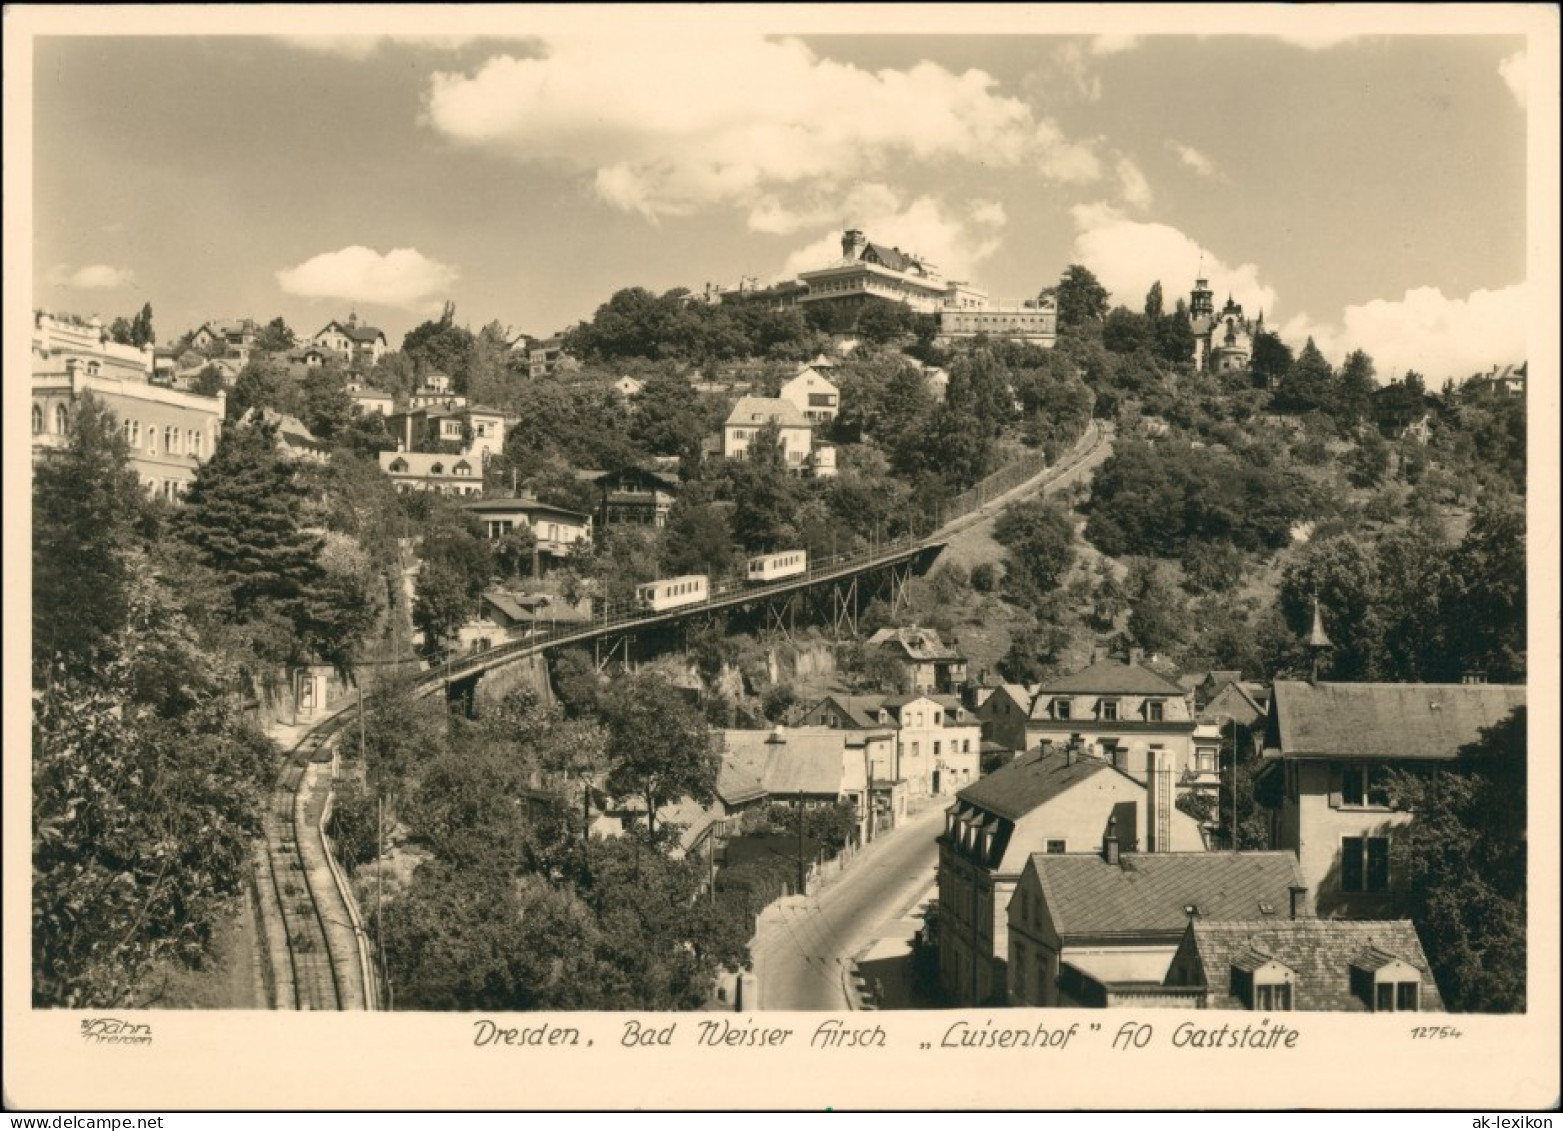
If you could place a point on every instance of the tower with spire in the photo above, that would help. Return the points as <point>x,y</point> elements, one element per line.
<point>1318,641</point>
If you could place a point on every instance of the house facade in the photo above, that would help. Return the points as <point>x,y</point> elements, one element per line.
<point>170,432</point>
<point>813,395</point>
<point>1003,713</point>
<point>1122,711</point>
<point>361,344</point>
<point>1053,800</point>
<point>1328,748</point>
<point>479,431</point>
<point>938,743</point>
<point>431,471</point>
<point>634,496</point>
<point>1101,928</point>
<point>1224,341</point>
<point>1335,965</point>
<point>821,766</point>
<point>925,662</point>
<point>750,415</point>
<point>559,532</point>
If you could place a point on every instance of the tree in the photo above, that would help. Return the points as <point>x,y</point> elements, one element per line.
<point>1308,384</point>
<point>659,746</point>
<point>326,409</point>
<point>1040,538</point>
<point>1485,596</point>
<point>1126,331</point>
<point>1462,863</point>
<point>86,502</point>
<point>263,383</point>
<point>275,337</point>
<point>668,420</point>
<point>441,604</point>
<point>1341,574</point>
<point>1354,388</point>
<point>141,332</point>
<point>242,514</point>
<point>147,791</point>
<point>1174,335</point>
<point>1154,303</point>
<point>1271,360</point>
<point>443,347</point>
<point>698,539</point>
<point>1158,620</point>
<point>764,493</point>
<point>1081,298</point>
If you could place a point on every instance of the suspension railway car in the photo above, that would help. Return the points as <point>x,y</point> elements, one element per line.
<point>774,567</point>
<point>673,592</point>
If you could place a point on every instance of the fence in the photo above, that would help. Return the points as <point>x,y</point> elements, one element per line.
<point>1007,478</point>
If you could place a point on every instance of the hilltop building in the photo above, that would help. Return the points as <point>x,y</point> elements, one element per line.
<point>361,344</point>
<point>1224,342</point>
<point>869,270</point>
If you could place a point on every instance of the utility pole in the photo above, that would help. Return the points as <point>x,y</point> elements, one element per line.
<point>802,877</point>
<point>711,864</point>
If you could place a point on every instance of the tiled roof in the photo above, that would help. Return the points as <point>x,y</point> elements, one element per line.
<point>892,257</point>
<point>519,506</point>
<point>1387,720</point>
<point>917,643</point>
<point>422,463</point>
<point>1030,780</point>
<point>766,410</point>
<point>809,762</point>
<point>1320,951</point>
<point>1150,893</point>
<point>1108,677</point>
<point>861,710</point>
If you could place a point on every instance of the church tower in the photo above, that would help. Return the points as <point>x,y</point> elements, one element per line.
<point>1202,300</point>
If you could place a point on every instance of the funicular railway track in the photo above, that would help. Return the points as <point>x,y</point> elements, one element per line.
<point>317,950</point>
<point>310,971</point>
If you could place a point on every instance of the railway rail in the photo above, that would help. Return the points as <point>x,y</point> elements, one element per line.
<point>319,961</point>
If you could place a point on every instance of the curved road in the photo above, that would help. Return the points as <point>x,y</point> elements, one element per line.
<point>804,945</point>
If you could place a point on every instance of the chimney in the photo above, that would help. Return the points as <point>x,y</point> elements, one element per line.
<point>1136,655</point>
<point>1110,841</point>
<point>1158,801</point>
<point>1296,893</point>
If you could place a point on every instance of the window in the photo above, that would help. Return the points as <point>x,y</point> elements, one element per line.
<point>170,441</point>
<point>62,419</point>
<point>135,433</point>
<point>37,420</point>
<point>1365,785</point>
<point>1153,710</point>
<point>1055,847</point>
<point>1408,997</point>
<point>152,439</point>
<point>1109,710</point>
<point>195,445</point>
<point>1061,709</point>
<point>936,748</point>
<point>1205,759</point>
<point>1271,997</point>
<point>1364,865</point>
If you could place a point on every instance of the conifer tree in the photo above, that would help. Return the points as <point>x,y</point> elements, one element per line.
<point>242,516</point>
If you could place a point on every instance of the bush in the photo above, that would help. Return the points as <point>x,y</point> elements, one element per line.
<point>985,578</point>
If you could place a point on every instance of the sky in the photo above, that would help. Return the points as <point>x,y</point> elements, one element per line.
<point>1368,191</point>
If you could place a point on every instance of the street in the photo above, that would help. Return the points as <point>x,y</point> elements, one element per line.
<point>803,944</point>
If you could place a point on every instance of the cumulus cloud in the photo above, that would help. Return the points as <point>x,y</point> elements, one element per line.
<point>1132,183</point>
<point>1194,159</point>
<point>736,118</point>
<point>96,277</point>
<point>1128,255</point>
<point>1439,336</point>
<point>955,242</point>
<point>1512,71</point>
<point>403,277</point>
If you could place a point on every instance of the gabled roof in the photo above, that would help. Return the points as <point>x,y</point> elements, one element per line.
<point>521,506</point>
<point>1032,780</point>
<point>1320,952</point>
<point>892,257</point>
<point>357,333</point>
<point>1419,721</point>
<point>1149,893</point>
<point>788,762</point>
<point>1107,677</point>
<point>760,411</point>
<point>862,711</point>
<point>917,643</point>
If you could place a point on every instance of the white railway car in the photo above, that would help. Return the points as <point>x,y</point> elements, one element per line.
<point>673,592</point>
<point>774,567</point>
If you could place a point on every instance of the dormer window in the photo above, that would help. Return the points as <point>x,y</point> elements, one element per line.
<point>1061,709</point>
<point>1153,710</point>
<point>1107,710</point>
<point>1262,983</point>
<point>1384,983</point>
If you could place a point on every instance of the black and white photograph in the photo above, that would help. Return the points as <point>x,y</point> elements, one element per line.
<point>785,536</point>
